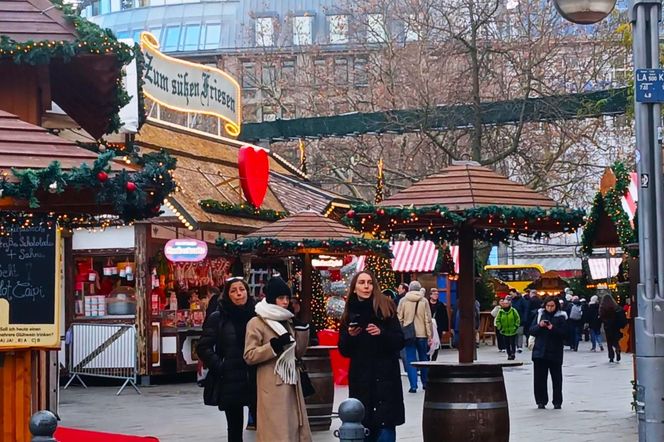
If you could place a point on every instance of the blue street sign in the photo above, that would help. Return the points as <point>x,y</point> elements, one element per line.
<point>649,87</point>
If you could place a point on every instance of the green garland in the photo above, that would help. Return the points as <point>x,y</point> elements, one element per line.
<point>269,246</point>
<point>140,68</point>
<point>241,210</point>
<point>569,220</point>
<point>91,40</point>
<point>611,205</point>
<point>133,195</point>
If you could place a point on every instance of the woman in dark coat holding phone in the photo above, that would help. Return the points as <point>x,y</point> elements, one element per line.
<point>549,328</point>
<point>370,335</point>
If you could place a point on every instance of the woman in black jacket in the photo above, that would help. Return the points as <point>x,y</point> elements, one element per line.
<point>370,335</point>
<point>594,323</point>
<point>549,328</point>
<point>221,348</point>
<point>614,319</point>
<point>439,313</point>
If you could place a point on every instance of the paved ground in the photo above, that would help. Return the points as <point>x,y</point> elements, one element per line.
<point>596,406</point>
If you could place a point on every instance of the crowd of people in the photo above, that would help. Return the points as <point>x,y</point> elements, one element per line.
<point>252,349</point>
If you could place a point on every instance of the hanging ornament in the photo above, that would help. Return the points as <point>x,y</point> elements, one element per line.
<point>53,187</point>
<point>131,186</point>
<point>102,176</point>
<point>350,213</point>
<point>254,170</point>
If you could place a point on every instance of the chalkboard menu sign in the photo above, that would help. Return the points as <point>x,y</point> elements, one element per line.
<point>29,294</point>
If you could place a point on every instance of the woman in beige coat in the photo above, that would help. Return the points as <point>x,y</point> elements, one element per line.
<point>273,344</point>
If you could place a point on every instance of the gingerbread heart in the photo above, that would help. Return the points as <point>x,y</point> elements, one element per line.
<point>254,168</point>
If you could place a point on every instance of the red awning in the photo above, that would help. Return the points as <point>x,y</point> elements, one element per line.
<point>416,256</point>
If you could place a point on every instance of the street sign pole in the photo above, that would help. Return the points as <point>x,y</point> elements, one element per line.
<point>645,16</point>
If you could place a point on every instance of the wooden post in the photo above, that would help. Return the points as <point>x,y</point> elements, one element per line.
<point>143,289</point>
<point>466,295</point>
<point>15,394</point>
<point>307,270</point>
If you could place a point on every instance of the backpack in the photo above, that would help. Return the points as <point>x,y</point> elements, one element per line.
<point>576,313</point>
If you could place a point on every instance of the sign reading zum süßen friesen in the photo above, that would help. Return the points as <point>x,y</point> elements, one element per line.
<point>190,87</point>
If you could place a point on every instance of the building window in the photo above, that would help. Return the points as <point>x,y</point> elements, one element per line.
<point>288,72</point>
<point>248,76</point>
<point>105,6</point>
<point>320,71</point>
<point>212,36</point>
<point>264,31</point>
<point>360,72</point>
<point>268,113</point>
<point>341,71</point>
<point>376,32</point>
<point>192,34</point>
<point>156,32</point>
<point>172,38</point>
<point>302,30</point>
<point>412,28</point>
<point>126,4</point>
<point>123,34</point>
<point>269,76</point>
<point>338,28</point>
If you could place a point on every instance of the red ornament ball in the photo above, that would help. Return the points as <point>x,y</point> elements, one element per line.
<point>350,213</point>
<point>380,212</point>
<point>102,176</point>
<point>156,209</point>
<point>131,186</point>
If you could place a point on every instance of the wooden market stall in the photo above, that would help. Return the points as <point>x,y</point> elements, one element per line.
<point>209,205</point>
<point>612,225</point>
<point>549,284</point>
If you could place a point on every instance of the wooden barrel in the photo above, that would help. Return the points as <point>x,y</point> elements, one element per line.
<point>465,403</point>
<point>319,405</point>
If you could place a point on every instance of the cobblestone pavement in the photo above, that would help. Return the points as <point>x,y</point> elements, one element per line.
<point>596,406</point>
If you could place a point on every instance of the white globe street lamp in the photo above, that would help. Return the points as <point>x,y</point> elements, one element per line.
<point>584,12</point>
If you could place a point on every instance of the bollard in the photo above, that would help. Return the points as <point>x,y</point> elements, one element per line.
<point>42,426</point>
<point>351,413</point>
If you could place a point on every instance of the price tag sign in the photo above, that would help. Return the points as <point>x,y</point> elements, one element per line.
<point>649,87</point>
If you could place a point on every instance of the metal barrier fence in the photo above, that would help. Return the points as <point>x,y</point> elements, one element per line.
<point>102,350</point>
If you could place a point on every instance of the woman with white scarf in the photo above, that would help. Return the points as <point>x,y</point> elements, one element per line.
<point>273,343</point>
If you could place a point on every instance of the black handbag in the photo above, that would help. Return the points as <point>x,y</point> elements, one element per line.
<point>212,391</point>
<point>409,330</point>
<point>305,382</point>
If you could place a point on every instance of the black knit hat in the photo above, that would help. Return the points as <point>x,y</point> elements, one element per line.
<point>274,288</point>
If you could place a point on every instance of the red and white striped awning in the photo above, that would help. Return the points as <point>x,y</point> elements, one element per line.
<point>416,256</point>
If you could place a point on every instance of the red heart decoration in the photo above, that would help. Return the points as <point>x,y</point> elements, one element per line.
<point>254,168</point>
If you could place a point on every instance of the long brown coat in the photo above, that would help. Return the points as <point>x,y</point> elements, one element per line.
<point>281,412</point>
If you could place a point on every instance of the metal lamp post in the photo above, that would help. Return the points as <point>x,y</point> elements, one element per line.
<point>645,16</point>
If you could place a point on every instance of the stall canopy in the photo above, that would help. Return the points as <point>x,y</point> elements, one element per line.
<point>463,203</point>
<point>211,196</point>
<point>415,256</point>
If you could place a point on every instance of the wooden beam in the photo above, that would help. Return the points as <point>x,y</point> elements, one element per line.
<point>466,296</point>
<point>307,270</point>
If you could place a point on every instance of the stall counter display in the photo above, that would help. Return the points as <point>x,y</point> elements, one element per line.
<point>102,288</point>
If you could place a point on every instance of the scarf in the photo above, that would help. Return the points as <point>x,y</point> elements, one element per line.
<point>272,314</point>
<point>361,311</point>
<point>239,316</point>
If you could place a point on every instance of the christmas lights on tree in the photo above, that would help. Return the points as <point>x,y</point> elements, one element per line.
<point>318,314</point>
<point>381,266</point>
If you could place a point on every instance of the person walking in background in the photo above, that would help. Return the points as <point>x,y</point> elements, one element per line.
<point>413,309</point>
<point>273,344</point>
<point>439,315</point>
<point>370,335</point>
<point>548,329</point>
<point>594,323</point>
<point>230,380</point>
<point>521,305</point>
<point>500,339</point>
<point>575,314</point>
<point>613,317</point>
<point>402,289</point>
<point>507,323</point>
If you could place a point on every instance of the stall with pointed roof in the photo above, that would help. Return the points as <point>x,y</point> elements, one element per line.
<point>49,185</point>
<point>463,203</point>
<point>305,234</point>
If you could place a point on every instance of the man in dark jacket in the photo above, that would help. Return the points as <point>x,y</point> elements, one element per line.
<point>520,305</point>
<point>549,328</point>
